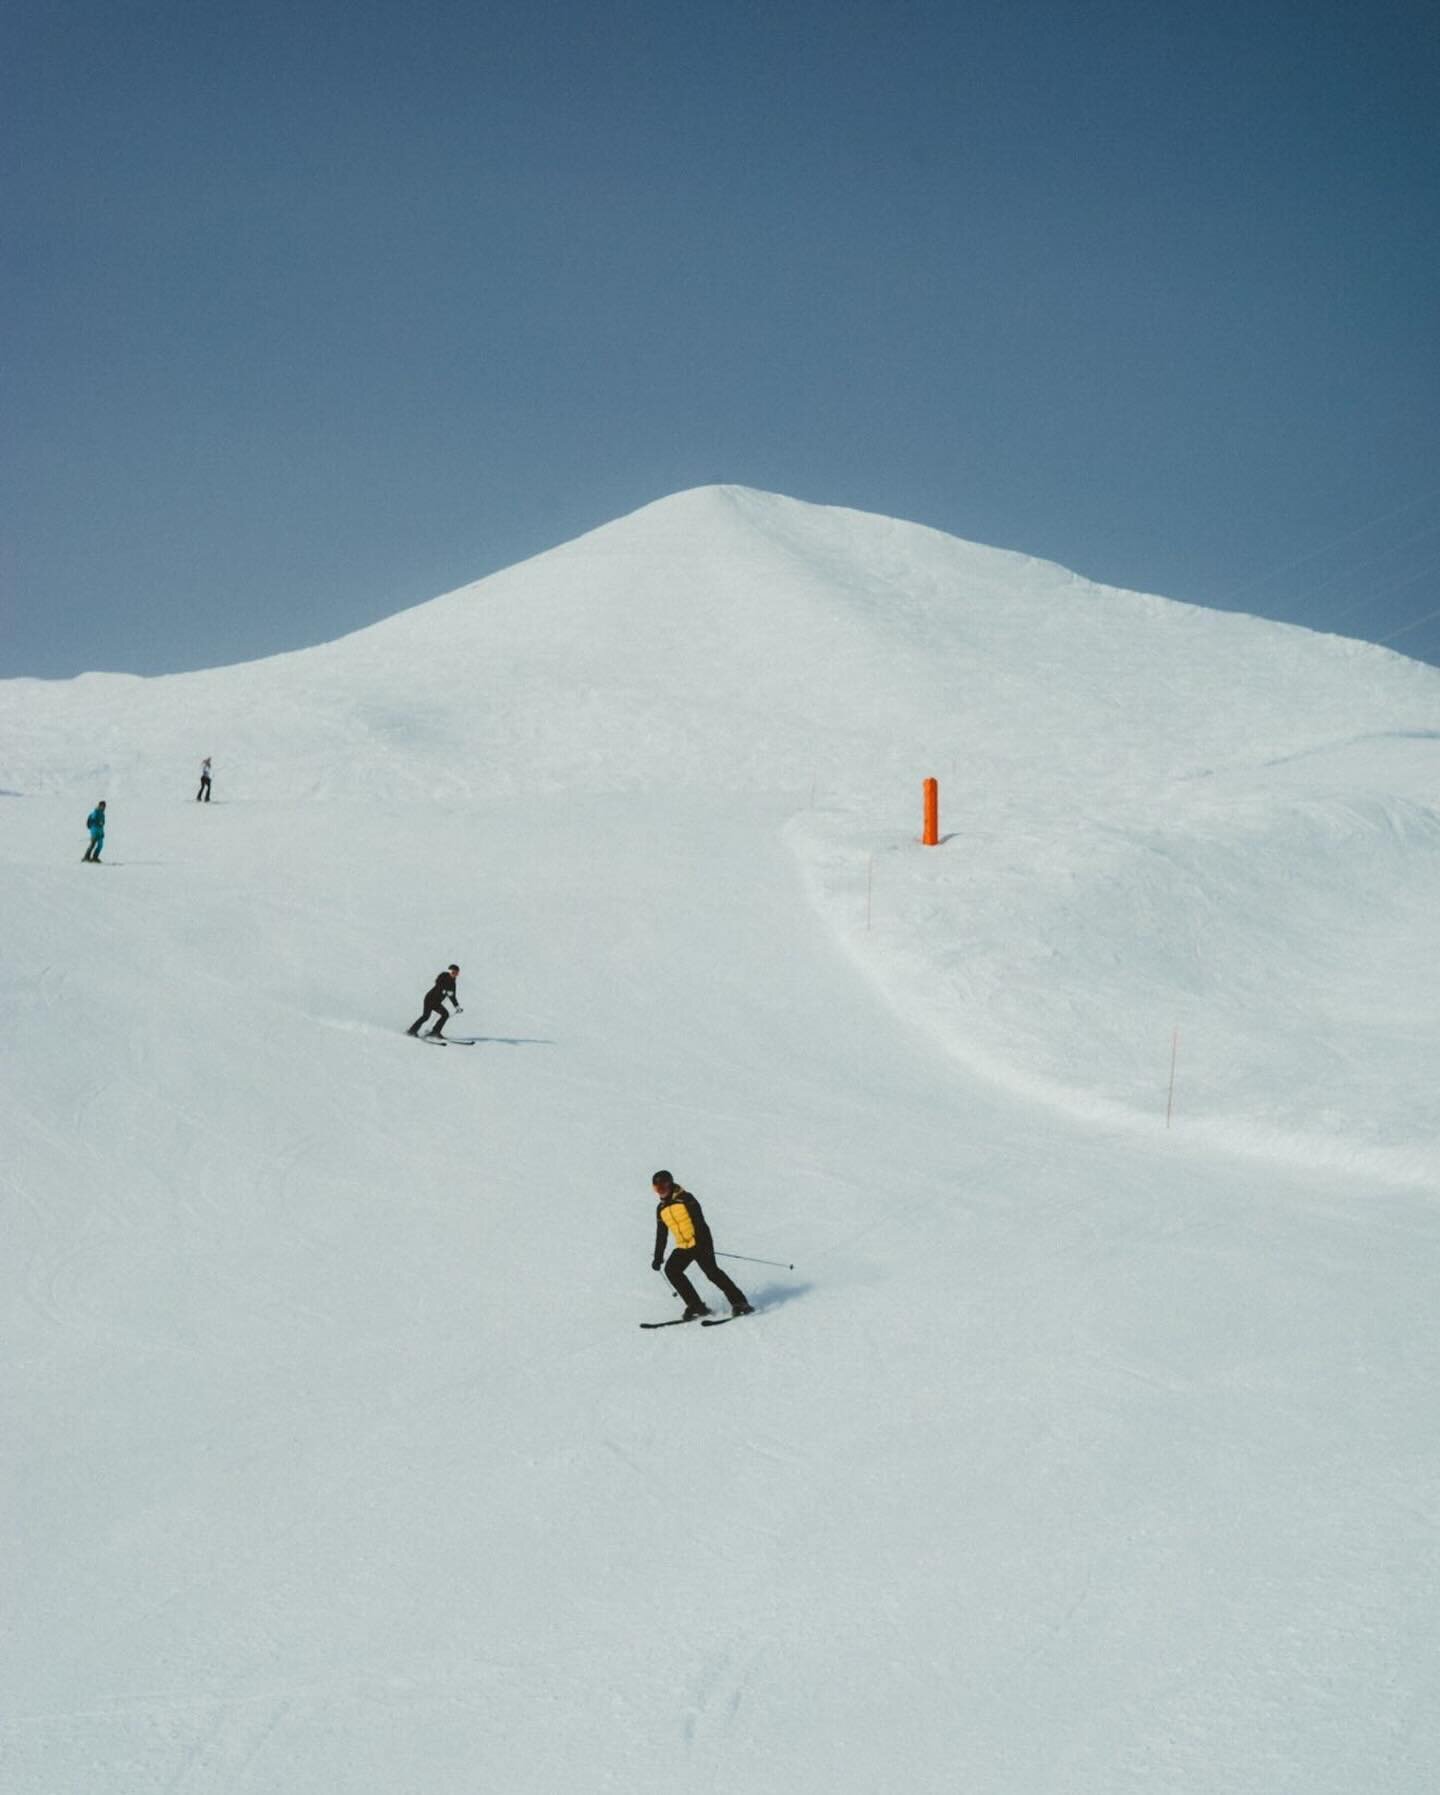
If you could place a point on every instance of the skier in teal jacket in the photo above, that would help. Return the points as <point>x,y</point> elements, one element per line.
<point>95,823</point>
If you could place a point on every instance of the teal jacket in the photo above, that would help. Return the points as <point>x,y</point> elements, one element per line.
<point>95,822</point>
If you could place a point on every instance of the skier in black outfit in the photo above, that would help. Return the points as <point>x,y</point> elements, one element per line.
<point>682,1218</point>
<point>204,791</point>
<point>435,999</point>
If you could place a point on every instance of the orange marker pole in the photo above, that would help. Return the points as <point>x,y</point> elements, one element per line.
<point>931,837</point>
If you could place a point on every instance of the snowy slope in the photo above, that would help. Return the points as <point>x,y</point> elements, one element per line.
<point>1074,1454</point>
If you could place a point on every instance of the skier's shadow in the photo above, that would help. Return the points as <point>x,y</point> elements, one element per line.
<point>772,1296</point>
<point>500,1040</point>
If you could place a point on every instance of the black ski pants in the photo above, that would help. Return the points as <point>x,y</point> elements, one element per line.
<point>204,791</point>
<point>680,1262</point>
<point>438,1011</point>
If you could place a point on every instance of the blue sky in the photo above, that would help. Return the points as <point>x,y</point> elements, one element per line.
<point>313,310</point>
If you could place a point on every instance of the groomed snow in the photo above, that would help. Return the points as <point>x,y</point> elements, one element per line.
<point>1076,1454</point>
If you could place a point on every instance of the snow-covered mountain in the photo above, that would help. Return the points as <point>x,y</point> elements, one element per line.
<point>1075,1452</point>
<point>734,640</point>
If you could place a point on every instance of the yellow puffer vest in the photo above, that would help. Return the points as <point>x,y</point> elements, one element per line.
<point>676,1217</point>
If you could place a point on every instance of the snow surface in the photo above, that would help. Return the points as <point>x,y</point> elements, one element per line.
<point>1076,1454</point>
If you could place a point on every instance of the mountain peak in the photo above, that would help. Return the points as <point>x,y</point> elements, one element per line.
<point>727,637</point>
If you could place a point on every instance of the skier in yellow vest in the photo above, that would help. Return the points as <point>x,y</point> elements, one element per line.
<point>681,1217</point>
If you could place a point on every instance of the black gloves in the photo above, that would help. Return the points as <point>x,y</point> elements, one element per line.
<point>654,1265</point>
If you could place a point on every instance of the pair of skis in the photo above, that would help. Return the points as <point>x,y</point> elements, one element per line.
<point>706,1321</point>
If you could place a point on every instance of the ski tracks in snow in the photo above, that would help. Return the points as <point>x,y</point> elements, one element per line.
<point>717,1690</point>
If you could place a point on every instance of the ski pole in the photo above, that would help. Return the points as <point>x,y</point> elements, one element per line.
<point>780,1263</point>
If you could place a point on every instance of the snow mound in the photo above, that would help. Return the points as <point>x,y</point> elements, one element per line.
<point>1159,817</point>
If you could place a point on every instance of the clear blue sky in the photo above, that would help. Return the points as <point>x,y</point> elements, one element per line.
<point>315,309</point>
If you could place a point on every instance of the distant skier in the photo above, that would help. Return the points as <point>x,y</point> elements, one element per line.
<point>440,992</point>
<point>95,823</point>
<point>679,1215</point>
<point>204,791</point>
